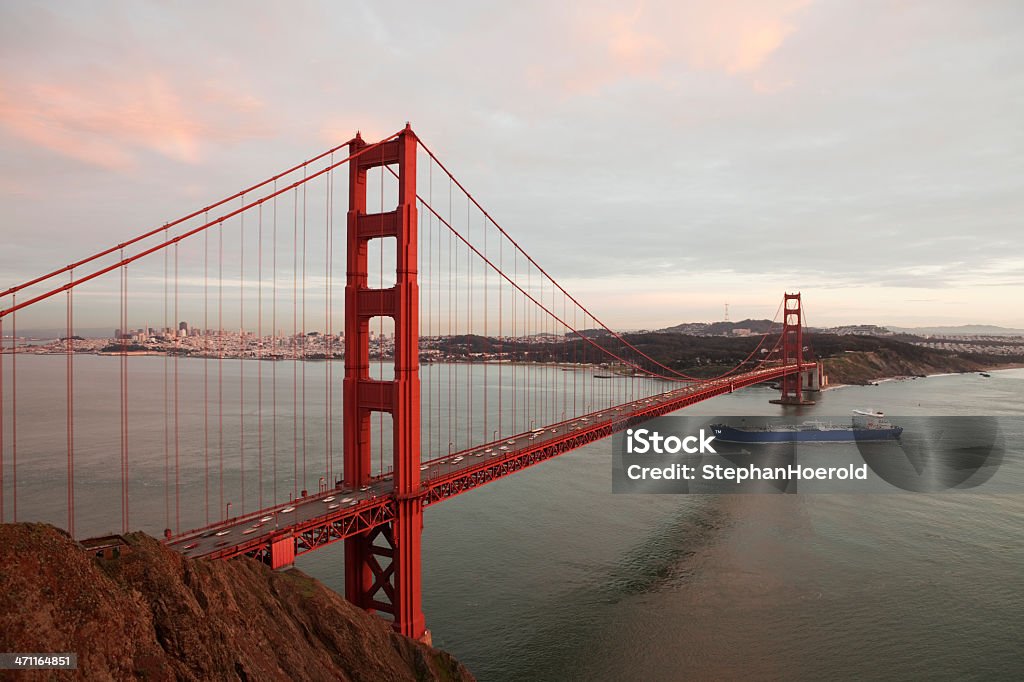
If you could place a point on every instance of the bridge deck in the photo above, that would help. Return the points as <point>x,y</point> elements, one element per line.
<point>335,514</point>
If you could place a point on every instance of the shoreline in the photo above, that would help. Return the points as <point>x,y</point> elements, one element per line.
<point>567,366</point>
<point>904,377</point>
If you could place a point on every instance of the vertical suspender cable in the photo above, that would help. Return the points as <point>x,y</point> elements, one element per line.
<point>305,482</point>
<point>177,459</point>
<point>469,333</point>
<point>423,238</point>
<point>515,341</point>
<point>294,350</point>
<point>380,322</point>
<point>273,346</point>
<point>2,510</point>
<point>124,400</point>
<point>70,345</point>
<point>451,408</point>
<point>501,336</point>
<point>167,404</point>
<point>425,329</point>
<point>220,365</point>
<point>487,344</point>
<point>259,360</point>
<point>206,371</point>
<point>14,412</point>
<point>326,339</point>
<point>242,346</point>
<point>440,329</point>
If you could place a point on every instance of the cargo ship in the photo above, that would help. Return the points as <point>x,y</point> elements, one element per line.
<point>866,425</point>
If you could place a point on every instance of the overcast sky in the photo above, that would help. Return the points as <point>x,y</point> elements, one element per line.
<point>659,158</point>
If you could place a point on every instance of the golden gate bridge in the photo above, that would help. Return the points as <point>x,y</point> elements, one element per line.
<point>429,275</point>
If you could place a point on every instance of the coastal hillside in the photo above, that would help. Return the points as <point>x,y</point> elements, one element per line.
<point>154,614</point>
<point>863,359</point>
<point>865,367</point>
<point>849,359</point>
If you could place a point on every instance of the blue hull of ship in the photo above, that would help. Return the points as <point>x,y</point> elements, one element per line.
<point>728,434</point>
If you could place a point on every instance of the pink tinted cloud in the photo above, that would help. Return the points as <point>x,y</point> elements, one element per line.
<point>649,41</point>
<point>110,123</point>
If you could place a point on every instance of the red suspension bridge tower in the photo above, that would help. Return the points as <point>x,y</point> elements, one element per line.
<point>793,385</point>
<point>382,565</point>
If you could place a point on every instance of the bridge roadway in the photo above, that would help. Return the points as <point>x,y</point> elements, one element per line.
<point>337,513</point>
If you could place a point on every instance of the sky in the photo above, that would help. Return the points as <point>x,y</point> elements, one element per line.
<point>660,159</point>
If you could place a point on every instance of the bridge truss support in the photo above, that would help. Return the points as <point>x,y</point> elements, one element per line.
<point>382,565</point>
<point>793,385</point>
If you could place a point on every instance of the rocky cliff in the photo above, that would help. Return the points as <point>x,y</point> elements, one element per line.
<point>153,614</point>
<point>865,367</point>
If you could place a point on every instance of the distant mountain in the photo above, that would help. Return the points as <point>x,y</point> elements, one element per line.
<point>590,333</point>
<point>718,328</point>
<point>961,330</point>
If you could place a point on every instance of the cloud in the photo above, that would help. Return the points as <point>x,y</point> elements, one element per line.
<point>659,41</point>
<point>111,122</point>
<point>736,146</point>
<point>753,43</point>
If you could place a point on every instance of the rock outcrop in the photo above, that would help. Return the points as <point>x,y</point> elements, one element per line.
<point>153,614</point>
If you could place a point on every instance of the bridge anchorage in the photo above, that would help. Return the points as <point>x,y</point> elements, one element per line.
<point>530,332</point>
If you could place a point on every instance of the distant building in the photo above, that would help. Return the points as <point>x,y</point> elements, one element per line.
<point>860,330</point>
